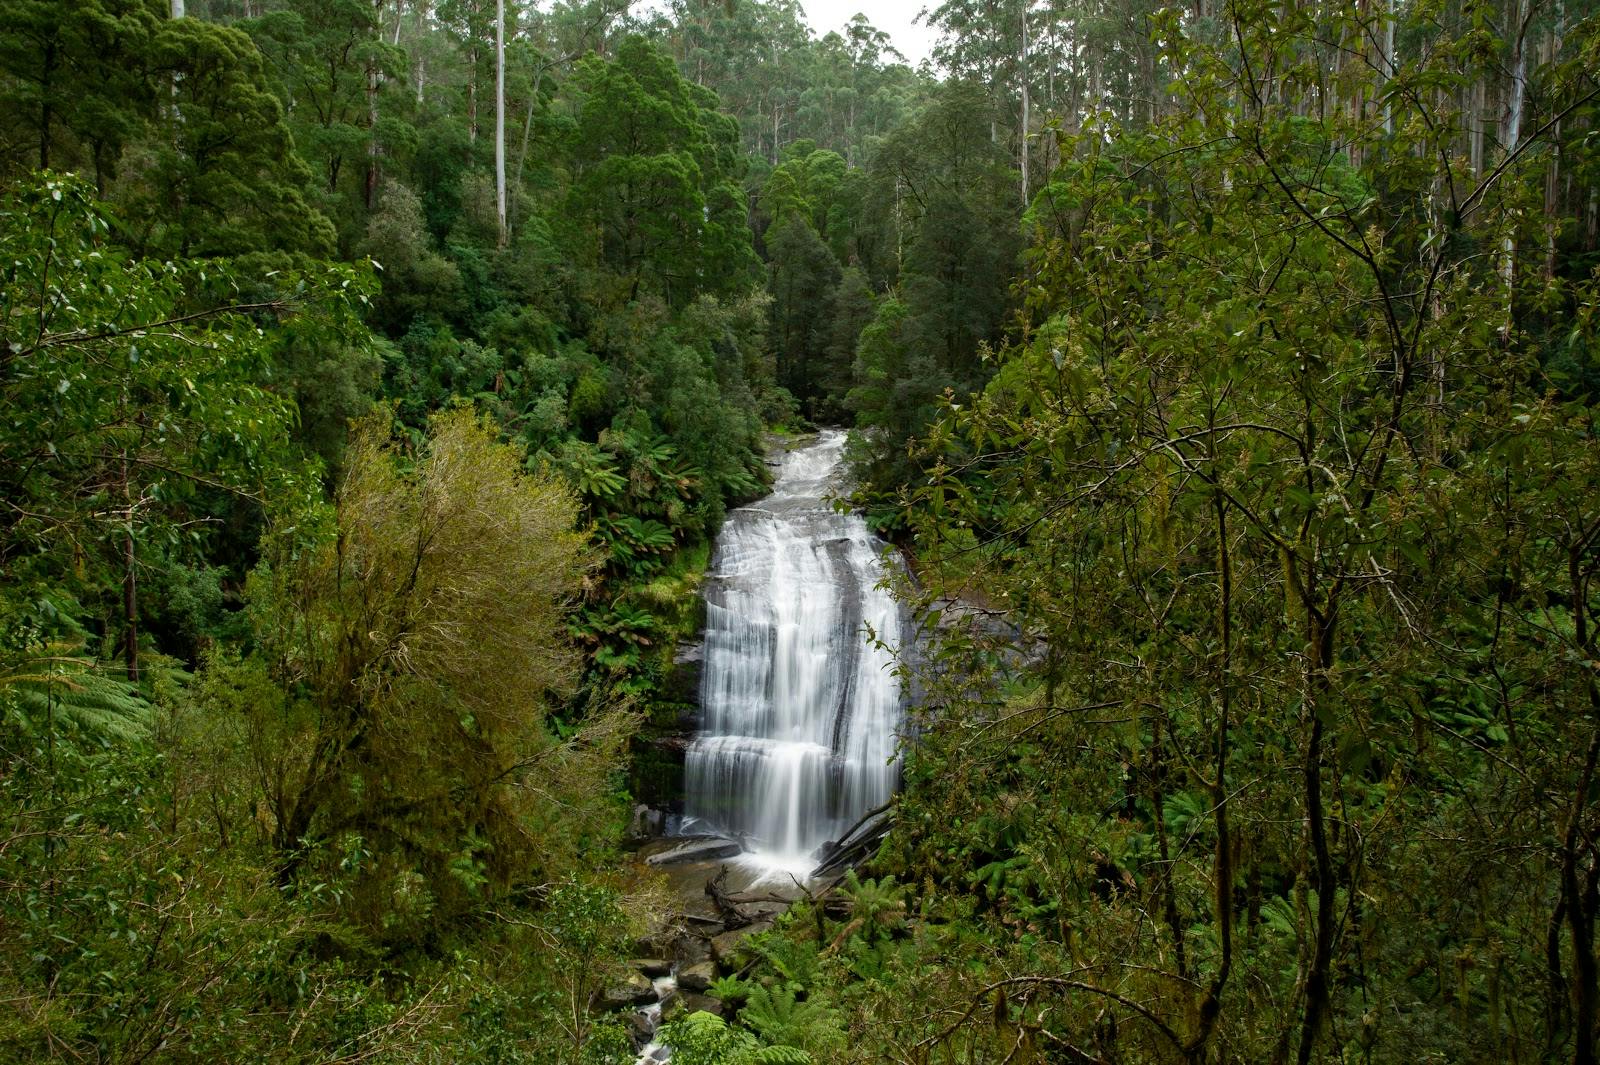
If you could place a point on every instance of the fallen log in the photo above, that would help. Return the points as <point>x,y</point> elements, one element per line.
<point>857,840</point>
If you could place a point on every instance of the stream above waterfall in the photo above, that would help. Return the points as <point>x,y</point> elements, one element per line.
<point>800,709</point>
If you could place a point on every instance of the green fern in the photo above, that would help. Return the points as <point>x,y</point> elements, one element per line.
<point>779,1017</point>
<point>61,689</point>
<point>877,911</point>
<point>705,1039</point>
<point>796,963</point>
<point>729,989</point>
<point>779,1056</point>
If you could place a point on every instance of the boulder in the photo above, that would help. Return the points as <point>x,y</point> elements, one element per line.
<point>691,950</point>
<point>632,989</point>
<point>727,950</point>
<point>699,1003</point>
<point>696,977</point>
<point>700,850</point>
<point>641,1027</point>
<point>646,823</point>
<point>686,1004</point>
<point>651,967</point>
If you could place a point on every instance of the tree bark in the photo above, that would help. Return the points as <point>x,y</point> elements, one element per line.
<point>500,116</point>
<point>472,75</point>
<point>1511,138</point>
<point>1388,63</point>
<point>373,83</point>
<point>1222,861</point>
<point>1318,990</point>
<point>130,584</point>
<point>1023,64</point>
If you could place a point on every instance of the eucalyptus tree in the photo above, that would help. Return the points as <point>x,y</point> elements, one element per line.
<point>333,70</point>
<point>657,179</point>
<point>71,93</point>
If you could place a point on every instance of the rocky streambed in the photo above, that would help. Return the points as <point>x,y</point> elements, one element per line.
<point>721,901</point>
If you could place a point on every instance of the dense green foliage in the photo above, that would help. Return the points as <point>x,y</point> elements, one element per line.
<point>1233,366</point>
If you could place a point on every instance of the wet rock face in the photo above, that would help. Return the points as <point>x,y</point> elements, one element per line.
<point>728,950</point>
<point>697,850</point>
<point>647,823</point>
<point>641,1027</point>
<point>697,977</point>
<point>688,666</point>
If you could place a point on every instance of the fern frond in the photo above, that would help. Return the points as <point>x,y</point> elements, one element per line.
<point>779,1056</point>
<point>77,695</point>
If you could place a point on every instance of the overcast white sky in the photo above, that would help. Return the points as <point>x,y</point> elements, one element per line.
<point>891,16</point>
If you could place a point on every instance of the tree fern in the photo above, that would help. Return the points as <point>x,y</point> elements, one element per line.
<point>796,963</point>
<point>778,1056</point>
<point>729,989</point>
<point>61,689</point>
<point>779,1017</point>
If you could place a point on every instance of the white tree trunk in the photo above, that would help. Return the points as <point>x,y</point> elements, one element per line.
<point>419,49</point>
<point>1475,125</point>
<point>177,8</point>
<point>500,115</point>
<point>1023,63</point>
<point>472,73</point>
<point>1512,137</point>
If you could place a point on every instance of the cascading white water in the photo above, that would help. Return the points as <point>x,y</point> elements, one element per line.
<point>800,710</point>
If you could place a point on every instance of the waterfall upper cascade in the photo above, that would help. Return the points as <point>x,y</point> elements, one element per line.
<point>801,711</point>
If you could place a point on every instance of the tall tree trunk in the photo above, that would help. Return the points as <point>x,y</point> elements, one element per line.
<point>527,123</point>
<point>421,9</point>
<point>1552,182</point>
<point>130,586</point>
<point>177,8</point>
<point>374,80</point>
<point>1512,137</point>
<point>1388,63</point>
<point>1022,62</point>
<point>1210,1007</point>
<point>1578,895</point>
<point>472,97</point>
<point>1319,974</point>
<point>1475,135</point>
<point>1579,870</point>
<point>500,116</point>
<point>472,74</point>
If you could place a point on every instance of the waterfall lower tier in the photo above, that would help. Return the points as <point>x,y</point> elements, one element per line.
<point>801,710</point>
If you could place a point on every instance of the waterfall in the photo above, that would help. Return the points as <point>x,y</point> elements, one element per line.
<point>800,709</point>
